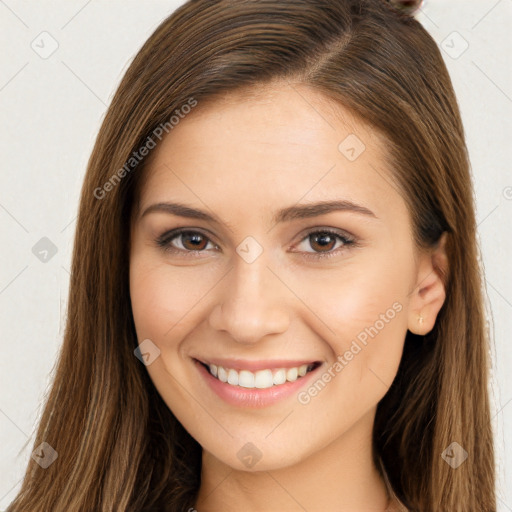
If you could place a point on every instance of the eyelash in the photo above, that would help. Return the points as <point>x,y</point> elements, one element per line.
<point>165,239</point>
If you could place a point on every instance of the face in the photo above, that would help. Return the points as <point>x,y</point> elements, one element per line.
<point>262,286</point>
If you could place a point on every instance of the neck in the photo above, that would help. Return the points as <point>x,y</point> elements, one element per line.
<point>341,477</point>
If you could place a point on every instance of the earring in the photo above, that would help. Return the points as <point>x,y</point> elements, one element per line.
<point>420,319</point>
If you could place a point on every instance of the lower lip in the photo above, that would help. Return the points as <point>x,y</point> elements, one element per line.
<point>253,397</point>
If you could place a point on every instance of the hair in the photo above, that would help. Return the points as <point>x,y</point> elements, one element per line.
<point>119,446</point>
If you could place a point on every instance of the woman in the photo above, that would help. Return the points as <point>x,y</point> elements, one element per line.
<point>275,299</point>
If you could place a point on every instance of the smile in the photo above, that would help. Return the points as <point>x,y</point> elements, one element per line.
<point>255,384</point>
<point>260,379</point>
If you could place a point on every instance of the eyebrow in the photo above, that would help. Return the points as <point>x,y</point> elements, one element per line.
<point>288,214</point>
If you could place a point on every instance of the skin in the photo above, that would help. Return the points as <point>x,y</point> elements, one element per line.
<point>242,158</point>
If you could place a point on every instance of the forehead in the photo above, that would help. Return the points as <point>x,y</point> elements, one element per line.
<point>259,145</point>
<point>271,115</point>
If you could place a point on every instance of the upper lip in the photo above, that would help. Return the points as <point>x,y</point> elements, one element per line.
<point>244,364</point>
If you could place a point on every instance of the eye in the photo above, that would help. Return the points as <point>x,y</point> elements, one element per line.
<point>324,240</point>
<point>190,241</point>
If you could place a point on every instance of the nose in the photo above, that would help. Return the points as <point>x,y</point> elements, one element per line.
<point>251,303</point>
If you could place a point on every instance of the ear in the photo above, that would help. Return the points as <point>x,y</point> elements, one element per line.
<point>429,293</point>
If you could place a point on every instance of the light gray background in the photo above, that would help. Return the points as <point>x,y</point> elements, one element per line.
<point>51,109</point>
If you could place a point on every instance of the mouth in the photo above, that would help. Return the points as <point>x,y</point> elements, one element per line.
<point>264,378</point>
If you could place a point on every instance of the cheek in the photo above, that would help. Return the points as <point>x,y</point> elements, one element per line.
<point>163,312</point>
<point>152,303</point>
<point>163,300</point>
<point>362,310</point>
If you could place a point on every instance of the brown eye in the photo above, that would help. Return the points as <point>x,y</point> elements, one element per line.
<point>184,241</point>
<point>322,241</point>
<point>196,241</point>
<point>189,241</point>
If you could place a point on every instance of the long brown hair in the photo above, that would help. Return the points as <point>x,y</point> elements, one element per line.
<point>119,446</point>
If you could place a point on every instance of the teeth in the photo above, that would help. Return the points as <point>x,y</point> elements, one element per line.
<point>292,374</point>
<point>233,377</point>
<point>222,374</point>
<point>246,378</point>
<point>261,379</point>
<point>280,377</point>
